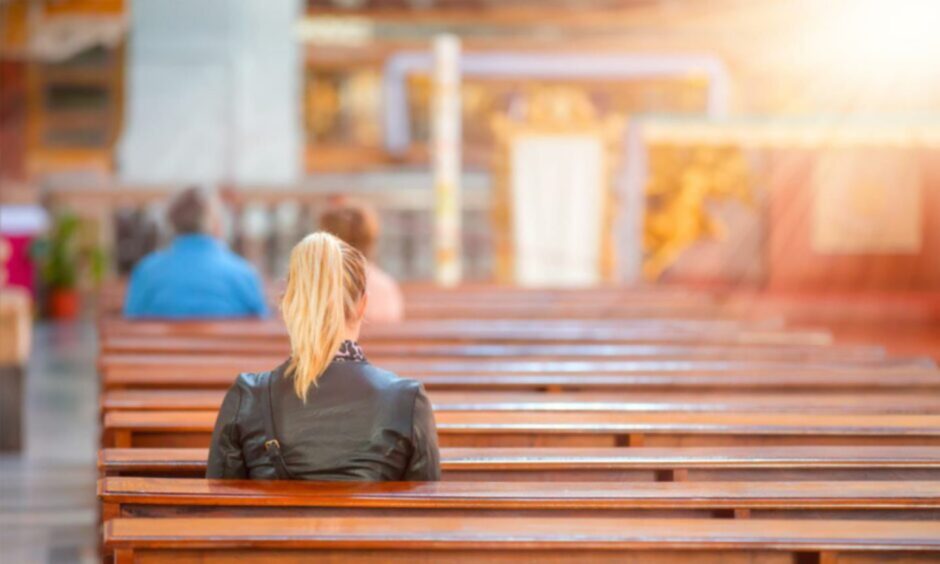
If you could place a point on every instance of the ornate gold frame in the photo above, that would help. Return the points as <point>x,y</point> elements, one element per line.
<point>552,111</point>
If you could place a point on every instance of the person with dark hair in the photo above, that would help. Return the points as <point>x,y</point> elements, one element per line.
<point>357,224</point>
<point>197,276</point>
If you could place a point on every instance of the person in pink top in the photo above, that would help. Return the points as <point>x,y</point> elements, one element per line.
<point>357,224</point>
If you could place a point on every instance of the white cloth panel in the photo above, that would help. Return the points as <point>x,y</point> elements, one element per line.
<point>867,201</point>
<point>213,93</point>
<point>557,184</point>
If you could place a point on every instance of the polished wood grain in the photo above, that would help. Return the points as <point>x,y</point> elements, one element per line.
<point>636,464</point>
<point>501,331</point>
<point>240,363</point>
<point>525,537</point>
<point>386,351</point>
<point>565,496</point>
<point>579,425</point>
<point>716,383</point>
<point>896,402</point>
<point>195,371</point>
<point>495,331</point>
<point>597,429</point>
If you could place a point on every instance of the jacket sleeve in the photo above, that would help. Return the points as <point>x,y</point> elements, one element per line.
<point>225,453</point>
<point>425,463</point>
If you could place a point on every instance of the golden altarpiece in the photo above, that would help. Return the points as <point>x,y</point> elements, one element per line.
<point>553,200</point>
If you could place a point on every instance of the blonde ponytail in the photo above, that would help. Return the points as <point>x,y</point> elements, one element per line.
<point>325,283</point>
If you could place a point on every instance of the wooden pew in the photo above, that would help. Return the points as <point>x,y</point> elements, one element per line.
<point>233,364</point>
<point>161,376</point>
<point>456,352</point>
<point>121,365</point>
<point>505,539</point>
<point>502,304</point>
<point>162,497</point>
<point>616,401</point>
<point>760,463</point>
<point>111,295</point>
<point>459,331</point>
<point>589,429</point>
<point>574,310</point>
<point>274,327</point>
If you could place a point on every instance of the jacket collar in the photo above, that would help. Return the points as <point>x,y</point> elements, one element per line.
<point>349,351</point>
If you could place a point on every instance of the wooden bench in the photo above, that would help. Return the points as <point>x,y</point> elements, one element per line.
<point>162,497</point>
<point>795,463</point>
<point>157,376</point>
<point>509,310</point>
<point>504,539</point>
<point>388,351</point>
<point>470,293</point>
<point>379,334</point>
<point>668,384</point>
<point>521,305</point>
<point>896,402</point>
<point>503,331</point>
<point>233,364</point>
<point>589,429</point>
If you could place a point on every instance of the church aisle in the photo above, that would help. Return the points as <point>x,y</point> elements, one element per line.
<point>47,494</point>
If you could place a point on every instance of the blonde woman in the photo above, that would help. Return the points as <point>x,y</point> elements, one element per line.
<point>326,413</point>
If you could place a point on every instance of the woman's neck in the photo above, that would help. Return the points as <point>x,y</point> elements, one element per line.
<point>351,333</point>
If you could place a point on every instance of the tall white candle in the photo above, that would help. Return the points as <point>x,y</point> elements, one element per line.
<point>446,157</point>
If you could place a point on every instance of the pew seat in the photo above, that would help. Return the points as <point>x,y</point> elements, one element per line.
<point>122,345</point>
<point>461,331</point>
<point>229,365</point>
<point>890,402</point>
<point>588,429</point>
<point>507,539</point>
<point>552,377</point>
<point>165,497</point>
<point>235,363</point>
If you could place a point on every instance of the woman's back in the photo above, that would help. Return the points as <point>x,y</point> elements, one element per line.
<point>326,413</point>
<point>359,423</point>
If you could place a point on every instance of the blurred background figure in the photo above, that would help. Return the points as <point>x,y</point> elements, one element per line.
<point>196,275</point>
<point>358,224</point>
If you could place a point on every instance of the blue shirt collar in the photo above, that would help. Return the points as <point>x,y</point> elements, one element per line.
<point>195,241</point>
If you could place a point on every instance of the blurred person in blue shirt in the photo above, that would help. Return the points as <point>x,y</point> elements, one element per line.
<point>196,276</point>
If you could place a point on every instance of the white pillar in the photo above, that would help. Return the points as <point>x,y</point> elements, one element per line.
<point>446,157</point>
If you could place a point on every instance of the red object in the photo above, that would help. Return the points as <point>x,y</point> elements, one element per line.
<point>18,264</point>
<point>63,304</point>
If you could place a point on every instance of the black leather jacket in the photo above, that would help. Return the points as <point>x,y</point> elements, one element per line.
<point>359,423</point>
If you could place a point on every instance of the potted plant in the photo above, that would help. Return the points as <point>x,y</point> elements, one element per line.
<point>62,260</point>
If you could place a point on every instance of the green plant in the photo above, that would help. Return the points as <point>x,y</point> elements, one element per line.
<point>63,259</point>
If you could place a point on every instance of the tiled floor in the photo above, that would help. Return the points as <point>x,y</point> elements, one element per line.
<point>47,494</point>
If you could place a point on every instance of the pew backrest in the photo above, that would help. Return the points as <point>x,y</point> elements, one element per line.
<point>634,464</point>
<point>897,402</point>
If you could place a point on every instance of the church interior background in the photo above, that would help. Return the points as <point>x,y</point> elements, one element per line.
<point>783,154</point>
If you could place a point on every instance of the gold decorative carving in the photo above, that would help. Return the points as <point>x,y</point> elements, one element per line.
<point>682,180</point>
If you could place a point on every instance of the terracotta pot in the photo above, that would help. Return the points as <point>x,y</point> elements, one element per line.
<point>63,303</point>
